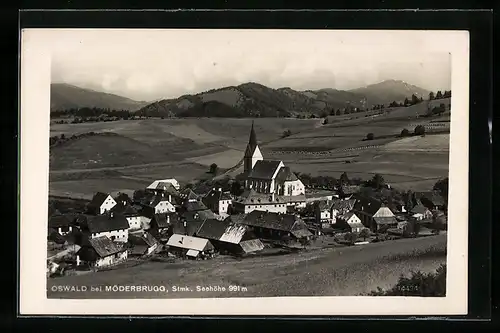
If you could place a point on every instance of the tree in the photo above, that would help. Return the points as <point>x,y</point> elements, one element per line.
<point>405,132</point>
<point>236,188</point>
<point>332,112</point>
<point>414,99</point>
<point>377,181</point>
<point>421,99</point>
<point>419,130</point>
<point>431,96</point>
<point>312,116</point>
<point>439,94</point>
<point>406,102</point>
<point>442,187</point>
<point>213,168</point>
<point>338,112</point>
<point>344,180</point>
<point>63,137</point>
<point>324,114</point>
<point>370,136</point>
<point>365,233</point>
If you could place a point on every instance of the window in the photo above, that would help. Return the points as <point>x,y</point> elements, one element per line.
<point>113,238</point>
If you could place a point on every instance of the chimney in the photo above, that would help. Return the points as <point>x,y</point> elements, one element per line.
<point>162,194</point>
<point>170,198</point>
<point>111,214</point>
<point>220,189</point>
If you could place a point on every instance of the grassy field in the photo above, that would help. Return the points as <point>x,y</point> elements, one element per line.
<point>344,271</point>
<point>144,150</point>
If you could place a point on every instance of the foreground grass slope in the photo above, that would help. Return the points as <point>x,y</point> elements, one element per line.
<point>328,272</point>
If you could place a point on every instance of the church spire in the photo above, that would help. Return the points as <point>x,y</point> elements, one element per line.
<point>253,138</point>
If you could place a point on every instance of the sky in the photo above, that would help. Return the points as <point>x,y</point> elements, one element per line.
<point>154,64</point>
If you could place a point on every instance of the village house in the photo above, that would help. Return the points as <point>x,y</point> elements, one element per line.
<point>160,223</point>
<point>157,204</point>
<point>268,225</point>
<point>420,212</point>
<point>62,223</point>
<point>130,212</point>
<point>101,252</point>
<point>323,212</point>
<point>228,237</point>
<point>143,244</point>
<point>218,201</point>
<point>193,205</point>
<point>250,200</point>
<point>112,225</point>
<point>122,198</point>
<point>352,221</point>
<point>375,215</point>
<point>432,200</point>
<point>342,207</point>
<point>191,247</point>
<point>100,203</point>
<point>189,195</point>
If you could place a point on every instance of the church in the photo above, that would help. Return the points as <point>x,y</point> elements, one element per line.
<point>270,179</point>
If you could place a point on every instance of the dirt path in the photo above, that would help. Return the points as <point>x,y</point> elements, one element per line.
<point>333,272</point>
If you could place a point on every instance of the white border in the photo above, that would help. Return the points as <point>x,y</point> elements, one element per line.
<point>35,105</point>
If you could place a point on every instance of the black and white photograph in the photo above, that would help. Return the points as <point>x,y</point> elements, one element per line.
<point>247,165</point>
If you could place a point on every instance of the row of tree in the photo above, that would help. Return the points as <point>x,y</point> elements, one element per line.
<point>439,95</point>
<point>87,112</point>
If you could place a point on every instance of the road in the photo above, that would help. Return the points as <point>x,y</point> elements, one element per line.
<point>322,272</point>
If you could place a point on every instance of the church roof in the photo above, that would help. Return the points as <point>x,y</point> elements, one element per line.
<point>264,169</point>
<point>285,174</point>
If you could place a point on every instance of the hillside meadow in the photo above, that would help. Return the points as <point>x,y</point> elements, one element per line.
<point>143,150</point>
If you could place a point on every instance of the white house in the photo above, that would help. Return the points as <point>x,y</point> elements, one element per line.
<point>61,223</point>
<point>353,221</point>
<point>218,201</point>
<point>158,204</point>
<point>131,213</point>
<point>112,225</point>
<point>101,203</point>
<point>420,212</point>
<point>101,252</point>
<point>323,212</point>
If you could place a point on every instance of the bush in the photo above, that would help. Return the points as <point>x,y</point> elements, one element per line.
<point>370,136</point>
<point>405,132</point>
<point>213,168</point>
<point>418,284</point>
<point>286,133</point>
<point>419,130</point>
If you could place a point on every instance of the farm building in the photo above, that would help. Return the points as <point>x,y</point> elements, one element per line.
<point>227,237</point>
<point>218,201</point>
<point>143,244</point>
<point>192,247</point>
<point>62,223</point>
<point>112,225</point>
<point>432,200</point>
<point>323,212</point>
<point>267,225</point>
<point>163,184</point>
<point>157,204</point>
<point>342,207</point>
<point>374,214</point>
<point>100,252</point>
<point>100,203</point>
<point>162,222</point>
<point>250,200</point>
<point>352,221</point>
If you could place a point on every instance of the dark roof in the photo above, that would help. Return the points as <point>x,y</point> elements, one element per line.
<point>164,220</point>
<point>122,197</point>
<point>104,246</point>
<point>275,221</point>
<point>60,220</point>
<point>192,206</point>
<point>191,228</point>
<point>301,233</point>
<point>56,237</point>
<point>105,222</point>
<point>264,169</point>
<point>385,220</point>
<point>127,210</point>
<point>212,229</point>
<point>344,204</point>
<point>153,200</point>
<point>215,195</point>
<point>368,205</point>
<point>326,205</point>
<point>97,200</point>
<point>145,239</point>
<point>188,194</point>
<point>285,174</point>
<point>433,196</point>
<point>347,216</point>
<point>419,209</point>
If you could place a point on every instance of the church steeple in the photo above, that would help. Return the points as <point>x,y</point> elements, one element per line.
<point>252,153</point>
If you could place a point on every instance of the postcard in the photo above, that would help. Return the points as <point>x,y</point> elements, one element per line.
<point>243,172</point>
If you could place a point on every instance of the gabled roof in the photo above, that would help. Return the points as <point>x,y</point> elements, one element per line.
<point>121,196</point>
<point>97,200</point>
<point>368,205</point>
<point>344,204</point>
<point>419,209</point>
<point>104,246</point>
<point>127,210</point>
<point>301,233</point>
<point>188,194</point>
<point>189,242</point>
<point>165,220</point>
<point>106,222</point>
<point>347,216</point>
<point>216,195</point>
<point>326,205</point>
<point>193,206</point>
<point>264,169</point>
<point>145,239</point>
<point>252,245</point>
<point>285,175</point>
<point>433,196</point>
<point>268,220</point>
<point>223,231</point>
